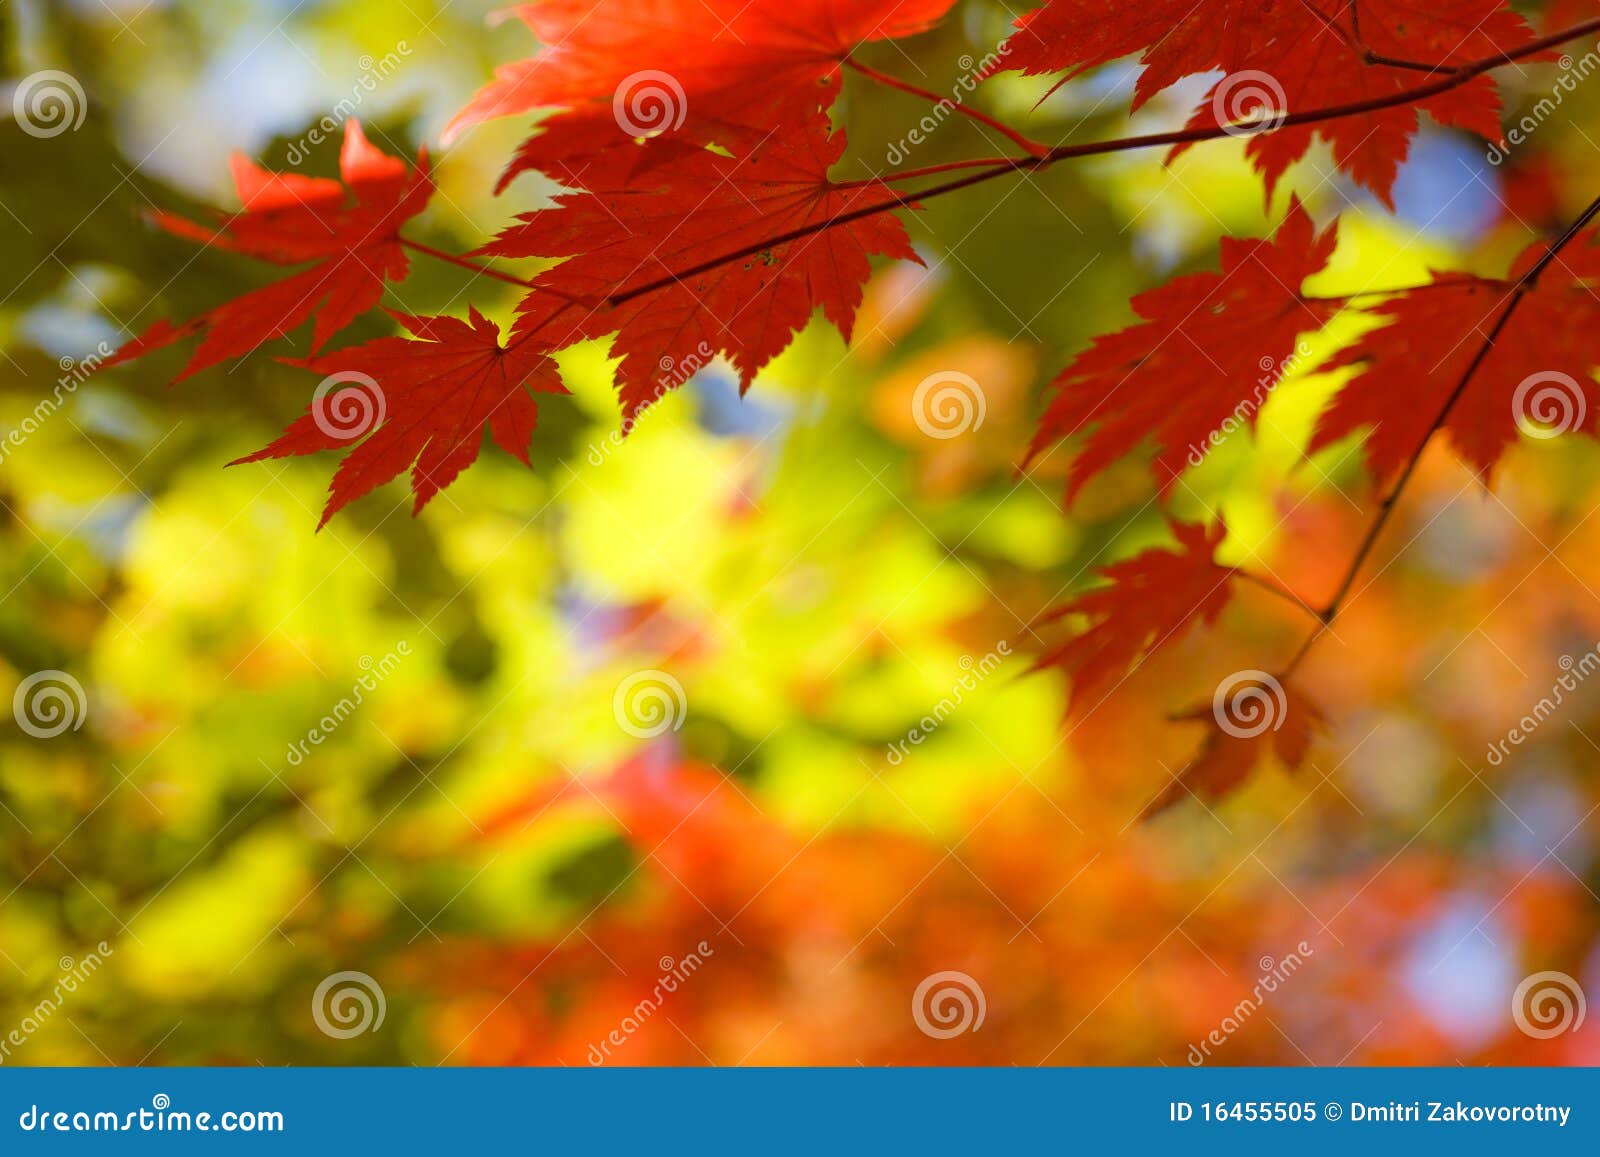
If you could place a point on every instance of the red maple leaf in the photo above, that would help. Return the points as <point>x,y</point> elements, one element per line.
<point>1252,718</point>
<point>1537,375</point>
<point>1292,56</point>
<point>1152,601</point>
<point>1210,349</point>
<point>655,63</point>
<point>645,230</point>
<point>349,229</point>
<point>421,404</point>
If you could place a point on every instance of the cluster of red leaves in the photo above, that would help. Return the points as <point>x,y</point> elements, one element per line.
<point>350,231</point>
<point>694,139</point>
<point>714,69</point>
<point>439,393</point>
<point>630,236</point>
<point>1180,374</point>
<point>1422,345</point>
<point>1462,354</point>
<point>1284,57</point>
<point>743,162</point>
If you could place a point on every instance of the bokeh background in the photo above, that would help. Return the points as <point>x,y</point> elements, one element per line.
<point>493,837</point>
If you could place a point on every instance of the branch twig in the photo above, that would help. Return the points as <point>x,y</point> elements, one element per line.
<point>1001,167</point>
<point>465,263</point>
<point>1519,292</point>
<point>1274,587</point>
<point>966,110</point>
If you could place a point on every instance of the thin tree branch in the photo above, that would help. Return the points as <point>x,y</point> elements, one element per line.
<point>1371,57</point>
<point>928,171</point>
<point>1524,285</point>
<point>1359,44</point>
<point>1004,167</point>
<point>465,263</point>
<point>966,110</point>
<point>1274,587</point>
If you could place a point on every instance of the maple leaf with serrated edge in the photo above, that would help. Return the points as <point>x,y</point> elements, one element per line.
<point>1252,719</point>
<point>1291,56</point>
<point>1151,602</point>
<point>349,228</point>
<point>660,62</point>
<point>1210,345</point>
<point>422,404</point>
<point>647,225</point>
<point>1537,376</point>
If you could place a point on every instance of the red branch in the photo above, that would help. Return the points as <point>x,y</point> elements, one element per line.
<point>966,110</point>
<point>465,263</point>
<point>1520,291</point>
